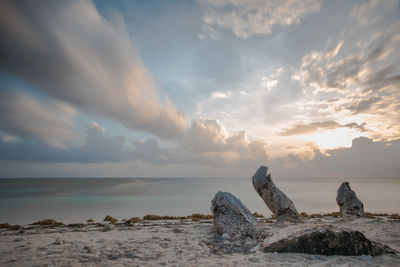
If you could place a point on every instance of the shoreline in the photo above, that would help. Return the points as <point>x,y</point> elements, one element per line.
<point>195,217</point>
<point>176,242</point>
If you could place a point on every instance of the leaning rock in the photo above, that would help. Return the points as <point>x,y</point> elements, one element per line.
<point>275,199</point>
<point>348,202</point>
<point>325,240</point>
<point>230,216</point>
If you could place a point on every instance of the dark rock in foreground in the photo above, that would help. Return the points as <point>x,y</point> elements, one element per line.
<point>327,240</point>
<point>282,207</point>
<point>231,216</point>
<point>348,202</point>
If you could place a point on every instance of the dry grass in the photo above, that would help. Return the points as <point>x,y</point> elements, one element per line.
<point>10,226</point>
<point>200,216</point>
<point>369,215</point>
<point>133,220</point>
<point>110,219</point>
<point>316,215</point>
<point>258,215</point>
<point>334,214</point>
<point>303,214</point>
<point>48,222</point>
<point>90,220</point>
<point>194,217</point>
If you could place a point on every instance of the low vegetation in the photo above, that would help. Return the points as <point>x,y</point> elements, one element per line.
<point>48,222</point>
<point>258,215</point>
<point>9,226</point>
<point>194,217</point>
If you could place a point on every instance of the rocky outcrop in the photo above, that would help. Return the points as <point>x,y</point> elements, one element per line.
<point>231,217</point>
<point>280,205</point>
<point>325,240</point>
<point>348,202</point>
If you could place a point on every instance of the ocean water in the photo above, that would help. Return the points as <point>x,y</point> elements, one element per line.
<point>77,199</point>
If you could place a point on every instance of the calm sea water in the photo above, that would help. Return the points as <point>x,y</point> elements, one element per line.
<point>73,200</point>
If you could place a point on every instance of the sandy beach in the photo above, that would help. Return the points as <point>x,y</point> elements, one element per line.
<point>178,243</point>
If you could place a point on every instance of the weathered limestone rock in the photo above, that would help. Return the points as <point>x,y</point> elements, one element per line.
<point>275,199</point>
<point>348,202</point>
<point>230,216</point>
<point>325,240</point>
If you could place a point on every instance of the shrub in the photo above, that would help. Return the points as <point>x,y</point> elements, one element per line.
<point>48,222</point>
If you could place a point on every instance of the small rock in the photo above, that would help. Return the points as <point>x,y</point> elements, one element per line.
<point>164,245</point>
<point>112,257</point>
<point>225,236</point>
<point>88,249</point>
<point>106,228</point>
<point>255,249</point>
<point>252,259</point>
<point>177,230</point>
<point>58,241</point>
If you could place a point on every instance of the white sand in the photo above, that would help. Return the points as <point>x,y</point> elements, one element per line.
<point>175,243</point>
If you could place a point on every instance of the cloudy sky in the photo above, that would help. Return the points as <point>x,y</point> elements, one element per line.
<point>207,88</point>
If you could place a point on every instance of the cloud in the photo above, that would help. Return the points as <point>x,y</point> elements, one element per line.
<point>300,129</point>
<point>364,158</point>
<point>359,71</point>
<point>364,105</point>
<point>204,142</point>
<point>366,12</point>
<point>69,51</point>
<point>23,116</point>
<point>219,94</point>
<point>371,67</point>
<point>253,17</point>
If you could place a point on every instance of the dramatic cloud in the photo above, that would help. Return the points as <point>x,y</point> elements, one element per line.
<point>313,127</point>
<point>22,116</point>
<point>69,51</point>
<point>357,79</point>
<point>204,143</point>
<point>364,158</point>
<point>252,17</point>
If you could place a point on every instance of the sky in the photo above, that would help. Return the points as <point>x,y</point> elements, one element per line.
<point>206,88</point>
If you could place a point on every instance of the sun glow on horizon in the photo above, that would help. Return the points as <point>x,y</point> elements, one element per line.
<point>333,139</point>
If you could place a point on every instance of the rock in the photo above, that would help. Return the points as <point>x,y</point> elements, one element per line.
<point>88,249</point>
<point>177,230</point>
<point>348,202</point>
<point>106,228</point>
<point>58,241</point>
<point>231,216</point>
<point>280,205</point>
<point>164,245</point>
<point>225,236</point>
<point>325,240</point>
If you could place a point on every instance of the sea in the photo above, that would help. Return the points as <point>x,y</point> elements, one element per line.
<point>24,201</point>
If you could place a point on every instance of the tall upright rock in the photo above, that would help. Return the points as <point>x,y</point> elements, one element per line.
<point>348,202</point>
<point>280,205</point>
<point>231,217</point>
